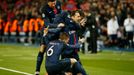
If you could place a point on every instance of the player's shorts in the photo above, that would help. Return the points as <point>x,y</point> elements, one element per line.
<point>58,68</point>
<point>129,35</point>
<point>113,37</point>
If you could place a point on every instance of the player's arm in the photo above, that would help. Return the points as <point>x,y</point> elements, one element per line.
<point>76,46</point>
<point>70,48</point>
<point>54,30</point>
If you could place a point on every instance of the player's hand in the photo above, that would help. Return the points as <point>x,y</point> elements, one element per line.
<point>81,40</point>
<point>83,22</point>
<point>61,25</point>
<point>73,60</point>
<point>45,31</point>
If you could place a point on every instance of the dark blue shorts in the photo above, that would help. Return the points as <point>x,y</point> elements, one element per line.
<point>129,35</point>
<point>113,37</point>
<point>58,68</point>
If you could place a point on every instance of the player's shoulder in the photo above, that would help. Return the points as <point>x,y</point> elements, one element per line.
<point>65,14</point>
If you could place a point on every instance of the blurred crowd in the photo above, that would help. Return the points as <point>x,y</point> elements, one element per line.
<point>21,17</point>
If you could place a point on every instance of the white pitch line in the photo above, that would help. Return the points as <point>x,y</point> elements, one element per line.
<point>15,71</point>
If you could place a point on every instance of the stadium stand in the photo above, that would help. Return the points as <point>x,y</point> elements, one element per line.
<point>15,16</point>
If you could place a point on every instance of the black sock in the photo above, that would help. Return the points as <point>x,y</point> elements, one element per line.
<point>39,60</point>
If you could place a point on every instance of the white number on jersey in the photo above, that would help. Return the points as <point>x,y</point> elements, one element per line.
<point>50,51</point>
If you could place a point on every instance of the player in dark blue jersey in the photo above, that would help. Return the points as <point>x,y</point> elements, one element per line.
<point>72,25</point>
<point>56,66</point>
<point>48,15</point>
<point>48,35</point>
<point>72,22</point>
<point>50,10</point>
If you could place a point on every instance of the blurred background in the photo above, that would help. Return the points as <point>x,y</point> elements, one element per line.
<point>19,18</point>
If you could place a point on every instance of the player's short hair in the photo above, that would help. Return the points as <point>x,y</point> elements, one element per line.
<point>72,13</point>
<point>64,36</point>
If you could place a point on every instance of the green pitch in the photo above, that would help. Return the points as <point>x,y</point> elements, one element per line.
<point>23,59</point>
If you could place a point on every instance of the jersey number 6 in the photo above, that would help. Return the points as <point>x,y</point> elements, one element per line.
<point>50,51</point>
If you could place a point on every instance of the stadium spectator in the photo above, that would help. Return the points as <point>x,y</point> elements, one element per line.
<point>26,31</point>
<point>16,30</point>
<point>70,5</point>
<point>112,26</point>
<point>7,29</point>
<point>1,29</point>
<point>121,15</point>
<point>33,28</point>
<point>11,9</point>
<point>122,42</point>
<point>129,27</point>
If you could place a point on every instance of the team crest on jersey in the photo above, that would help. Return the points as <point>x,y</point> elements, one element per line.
<point>50,12</point>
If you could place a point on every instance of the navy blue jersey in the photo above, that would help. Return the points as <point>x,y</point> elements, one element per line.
<point>55,49</point>
<point>48,13</point>
<point>72,29</point>
<point>53,62</point>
